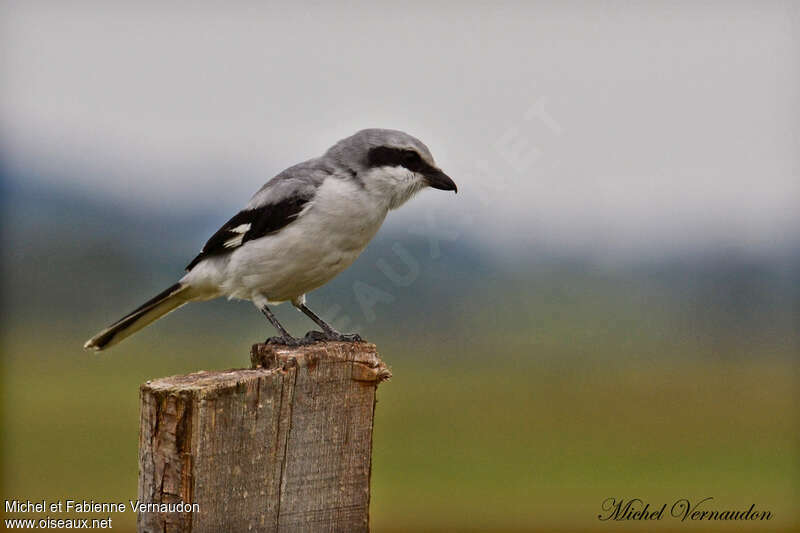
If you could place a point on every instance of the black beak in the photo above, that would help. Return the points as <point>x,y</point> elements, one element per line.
<point>439,180</point>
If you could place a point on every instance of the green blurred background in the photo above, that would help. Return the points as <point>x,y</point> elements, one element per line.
<point>610,307</point>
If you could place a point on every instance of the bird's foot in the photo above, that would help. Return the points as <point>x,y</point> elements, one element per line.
<point>286,340</point>
<point>321,336</point>
<point>315,336</point>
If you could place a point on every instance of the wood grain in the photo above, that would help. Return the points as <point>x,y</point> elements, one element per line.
<point>284,446</point>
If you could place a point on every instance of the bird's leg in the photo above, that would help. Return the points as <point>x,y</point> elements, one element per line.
<point>328,333</point>
<point>285,337</point>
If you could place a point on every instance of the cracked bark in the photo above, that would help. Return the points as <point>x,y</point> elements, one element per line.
<point>283,446</point>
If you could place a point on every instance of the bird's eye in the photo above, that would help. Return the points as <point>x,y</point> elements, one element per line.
<point>411,159</point>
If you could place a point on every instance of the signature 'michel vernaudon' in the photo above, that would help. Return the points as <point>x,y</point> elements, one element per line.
<point>682,509</point>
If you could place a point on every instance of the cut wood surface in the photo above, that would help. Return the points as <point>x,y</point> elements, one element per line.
<point>284,446</point>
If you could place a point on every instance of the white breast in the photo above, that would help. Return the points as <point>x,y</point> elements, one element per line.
<point>324,240</point>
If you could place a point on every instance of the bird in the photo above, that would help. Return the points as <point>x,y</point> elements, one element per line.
<point>298,231</point>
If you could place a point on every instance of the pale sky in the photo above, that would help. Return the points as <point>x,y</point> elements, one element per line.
<point>613,125</point>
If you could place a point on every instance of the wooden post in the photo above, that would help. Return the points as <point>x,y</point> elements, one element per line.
<point>284,446</point>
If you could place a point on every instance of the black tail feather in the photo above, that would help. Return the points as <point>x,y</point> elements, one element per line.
<point>127,323</point>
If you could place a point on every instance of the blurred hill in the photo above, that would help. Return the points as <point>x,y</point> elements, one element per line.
<point>75,264</point>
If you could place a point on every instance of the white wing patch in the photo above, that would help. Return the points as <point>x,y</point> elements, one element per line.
<point>235,241</point>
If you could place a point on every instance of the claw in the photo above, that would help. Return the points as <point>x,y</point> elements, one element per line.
<point>314,336</point>
<point>349,337</point>
<point>284,341</point>
<point>319,336</point>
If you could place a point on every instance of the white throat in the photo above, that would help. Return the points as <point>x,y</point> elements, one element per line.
<point>393,186</point>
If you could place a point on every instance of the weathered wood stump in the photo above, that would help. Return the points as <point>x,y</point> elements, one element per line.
<point>284,446</point>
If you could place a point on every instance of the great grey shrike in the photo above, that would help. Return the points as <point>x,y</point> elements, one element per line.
<point>300,230</point>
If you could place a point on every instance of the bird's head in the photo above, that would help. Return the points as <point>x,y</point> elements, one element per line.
<point>391,164</point>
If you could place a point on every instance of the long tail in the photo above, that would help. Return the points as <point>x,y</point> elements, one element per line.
<point>149,312</point>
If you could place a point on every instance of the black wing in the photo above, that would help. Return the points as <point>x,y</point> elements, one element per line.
<point>251,224</point>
